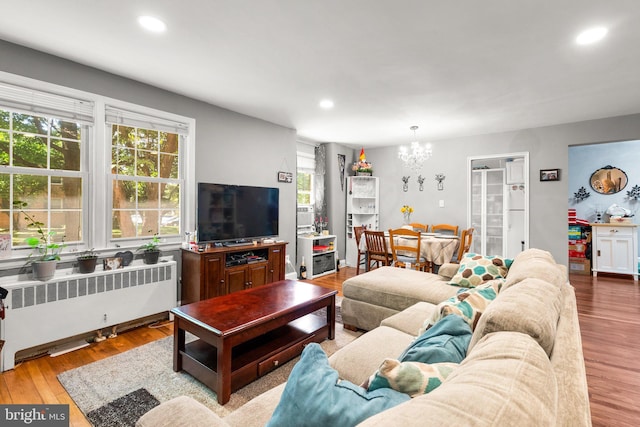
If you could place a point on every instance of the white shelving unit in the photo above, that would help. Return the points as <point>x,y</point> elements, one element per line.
<point>363,208</point>
<point>318,262</point>
<point>488,211</point>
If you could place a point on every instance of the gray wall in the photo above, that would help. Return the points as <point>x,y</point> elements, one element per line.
<point>548,148</point>
<point>230,147</point>
<point>336,195</point>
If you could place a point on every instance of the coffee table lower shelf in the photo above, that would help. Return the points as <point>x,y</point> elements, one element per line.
<point>257,357</point>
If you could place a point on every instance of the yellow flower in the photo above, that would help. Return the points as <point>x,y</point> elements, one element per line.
<point>406,209</point>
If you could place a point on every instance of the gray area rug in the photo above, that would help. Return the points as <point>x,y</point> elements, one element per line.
<point>116,391</point>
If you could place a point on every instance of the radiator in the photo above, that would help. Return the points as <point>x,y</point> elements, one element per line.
<point>70,304</point>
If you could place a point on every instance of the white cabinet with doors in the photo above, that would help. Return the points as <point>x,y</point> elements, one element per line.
<point>615,249</point>
<point>488,204</point>
<point>363,208</point>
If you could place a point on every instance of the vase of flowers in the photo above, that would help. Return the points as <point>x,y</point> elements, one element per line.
<point>406,212</point>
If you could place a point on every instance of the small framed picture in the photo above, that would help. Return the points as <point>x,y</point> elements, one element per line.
<point>112,263</point>
<point>285,177</point>
<point>549,174</point>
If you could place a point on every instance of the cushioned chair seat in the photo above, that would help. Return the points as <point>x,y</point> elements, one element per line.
<point>411,259</point>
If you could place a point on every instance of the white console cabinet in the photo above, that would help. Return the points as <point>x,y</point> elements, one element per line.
<point>615,249</point>
<point>319,254</point>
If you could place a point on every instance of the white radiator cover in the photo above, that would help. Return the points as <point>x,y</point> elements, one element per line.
<point>71,304</point>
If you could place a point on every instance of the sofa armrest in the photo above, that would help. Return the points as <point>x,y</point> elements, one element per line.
<point>181,411</point>
<point>448,270</point>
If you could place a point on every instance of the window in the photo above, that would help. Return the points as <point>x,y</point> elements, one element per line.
<point>304,188</point>
<point>145,175</point>
<point>42,143</point>
<point>94,183</point>
<point>305,173</point>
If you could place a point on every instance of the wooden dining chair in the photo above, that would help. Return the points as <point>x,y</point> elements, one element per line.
<point>419,227</point>
<point>405,254</point>
<point>377,251</point>
<point>466,238</point>
<point>357,232</point>
<point>447,228</point>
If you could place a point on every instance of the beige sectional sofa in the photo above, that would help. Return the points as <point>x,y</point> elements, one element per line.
<point>524,365</point>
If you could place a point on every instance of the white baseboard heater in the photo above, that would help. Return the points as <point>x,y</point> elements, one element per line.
<point>70,304</point>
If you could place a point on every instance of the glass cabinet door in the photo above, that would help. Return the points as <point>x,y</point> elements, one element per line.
<point>494,213</point>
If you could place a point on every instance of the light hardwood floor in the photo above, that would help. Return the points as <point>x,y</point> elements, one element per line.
<point>609,312</point>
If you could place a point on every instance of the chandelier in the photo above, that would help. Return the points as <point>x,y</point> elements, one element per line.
<point>414,157</point>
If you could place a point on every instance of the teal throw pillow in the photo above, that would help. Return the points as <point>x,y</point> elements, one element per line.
<point>412,378</point>
<point>446,341</point>
<point>315,396</point>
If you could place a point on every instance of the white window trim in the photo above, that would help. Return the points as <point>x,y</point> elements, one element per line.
<point>98,213</point>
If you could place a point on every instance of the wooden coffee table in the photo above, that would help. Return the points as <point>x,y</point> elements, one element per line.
<point>246,334</point>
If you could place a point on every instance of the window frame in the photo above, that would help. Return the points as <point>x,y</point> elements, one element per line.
<point>97,177</point>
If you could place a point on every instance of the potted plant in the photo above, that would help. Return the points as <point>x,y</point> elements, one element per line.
<point>44,267</point>
<point>87,261</point>
<point>151,250</point>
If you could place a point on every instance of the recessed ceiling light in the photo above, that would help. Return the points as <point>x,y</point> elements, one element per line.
<point>591,35</point>
<point>152,24</point>
<point>326,104</point>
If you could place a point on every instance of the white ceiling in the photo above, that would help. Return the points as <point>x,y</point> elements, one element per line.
<point>454,68</point>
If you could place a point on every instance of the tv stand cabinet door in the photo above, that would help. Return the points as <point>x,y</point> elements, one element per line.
<point>214,276</point>
<point>237,278</point>
<point>276,264</point>
<point>257,274</point>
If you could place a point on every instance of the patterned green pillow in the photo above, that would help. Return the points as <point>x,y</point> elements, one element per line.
<point>412,378</point>
<point>476,269</point>
<point>468,304</point>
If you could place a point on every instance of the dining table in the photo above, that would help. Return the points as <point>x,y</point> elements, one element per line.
<point>437,248</point>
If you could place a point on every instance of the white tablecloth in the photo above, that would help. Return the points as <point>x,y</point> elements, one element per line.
<point>434,248</point>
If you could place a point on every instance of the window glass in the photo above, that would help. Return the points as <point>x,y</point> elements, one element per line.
<point>146,200</point>
<point>304,188</point>
<point>33,151</point>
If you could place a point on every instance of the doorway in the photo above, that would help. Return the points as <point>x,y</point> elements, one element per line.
<point>498,203</point>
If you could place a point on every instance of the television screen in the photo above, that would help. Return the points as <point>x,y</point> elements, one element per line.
<point>236,212</point>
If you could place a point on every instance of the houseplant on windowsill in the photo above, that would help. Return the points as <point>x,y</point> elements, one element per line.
<point>151,250</point>
<point>87,261</point>
<point>44,267</point>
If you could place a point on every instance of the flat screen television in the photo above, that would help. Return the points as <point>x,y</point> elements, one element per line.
<point>236,213</point>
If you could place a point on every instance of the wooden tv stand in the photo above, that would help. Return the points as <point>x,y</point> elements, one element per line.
<point>220,271</point>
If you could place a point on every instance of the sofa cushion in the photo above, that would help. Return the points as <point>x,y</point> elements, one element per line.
<point>361,357</point>
<point>397,288</point>
<point>315,396</point>
<point>507,380</point>
<point>532,307</point>
<point>411,319</point>
<point>181,411</point>
<point>412,378</point>
<point>446,341</point>
<point>476,269</point>
<point>468,304</point>
<point>535,263</point>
